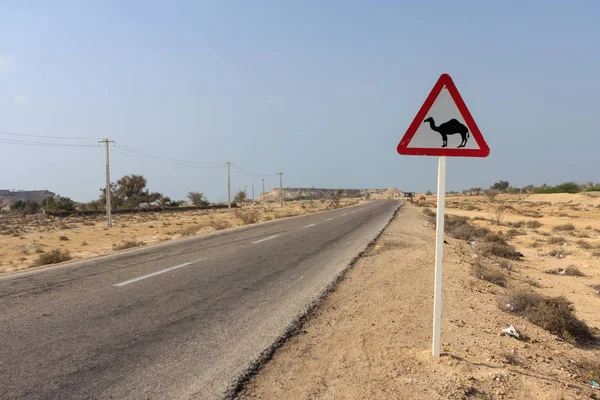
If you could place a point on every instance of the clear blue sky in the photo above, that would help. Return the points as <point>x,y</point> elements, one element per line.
<point>321,90</point>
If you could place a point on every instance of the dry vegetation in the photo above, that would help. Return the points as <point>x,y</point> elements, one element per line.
<point>371,338</point>
<point>34,240</point>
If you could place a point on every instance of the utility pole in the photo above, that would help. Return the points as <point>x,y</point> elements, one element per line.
<point>107,195</point>
<point>280,188</point>
<point>228,185</point>
<point>263,192</point>
<point>252,191</point>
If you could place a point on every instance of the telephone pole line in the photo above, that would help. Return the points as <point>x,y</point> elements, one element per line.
<point>263,192</point>
<point>107,194</point>
<point>252,191</point>
<point>280,188</point>
<point>228,185</point>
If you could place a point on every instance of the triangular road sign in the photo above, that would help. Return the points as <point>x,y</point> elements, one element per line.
<point>444,126</point>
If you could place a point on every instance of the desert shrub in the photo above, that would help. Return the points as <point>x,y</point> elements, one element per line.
<point>517,300</point>
<point>596,254</point>
<point>491,194</point>
<point>499,249</point>
<point>565,227</point>
<point>486,273</point>
<point>63,238</point>
<point>515,232</point>
<point>533,224</point>
<point>597,289</point>
<point>554,314</point>
<point>557,240</point>
<point>248,216</point>
<point>559,253</point>
<point>191,230</point>
<point>53,257</point>
<point>518,224</point>
<point>128,244</point>
<point>428,212</point>
<point>584,245</point>
<point>219,224</point>
<point>569,271</point>
<point>84,243</point>
<point>533,283</point>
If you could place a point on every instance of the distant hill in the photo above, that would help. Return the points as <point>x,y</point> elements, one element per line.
<point>10,196</point>
<point>318,194</point>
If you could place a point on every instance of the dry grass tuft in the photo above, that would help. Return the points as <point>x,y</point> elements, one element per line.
<point>533,224</point>
<point>498,249</point>
<point>219,224</point>
<point>554,314</point>
<point>486,273</point>
<point>53,257</point>
<point>557,240</point>
<point>515,232</point>
<point>584,245</point>
<point>569,271</point>
<point>129,244</point>
<point>564,228</point>
<point>248,216</point>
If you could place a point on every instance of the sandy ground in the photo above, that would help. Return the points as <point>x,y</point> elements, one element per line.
<point>371,338</point>
<point>22,240</point>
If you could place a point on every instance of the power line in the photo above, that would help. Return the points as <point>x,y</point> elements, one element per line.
<point>173,164</point>
<point>251,172</point>
<point>145,154</point>
<point>49,137</point>
<point>46,144</point>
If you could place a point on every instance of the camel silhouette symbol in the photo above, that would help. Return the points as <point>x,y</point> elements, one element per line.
<point>449,128</point>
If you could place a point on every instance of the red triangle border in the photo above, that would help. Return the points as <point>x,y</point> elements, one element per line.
<point>444,80</point>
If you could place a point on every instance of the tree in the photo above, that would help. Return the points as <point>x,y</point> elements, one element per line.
<point>25,207</point>
<point>500,185</point>
<point>62,203</point>
<point>197,198</point>
<point>129,191</point>
<point>49,203</point>
<point>240,196</point>
<point>336,196</point>
<point>428,193</point>
<point>66,204</point>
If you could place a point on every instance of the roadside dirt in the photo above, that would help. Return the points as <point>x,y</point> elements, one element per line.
<point>371,338</point>
<point>24,239</point>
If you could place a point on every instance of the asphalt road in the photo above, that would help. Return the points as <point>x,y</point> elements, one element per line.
<point>180,320</point>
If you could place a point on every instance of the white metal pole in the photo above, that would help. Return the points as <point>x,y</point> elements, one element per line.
<point>439,255</point>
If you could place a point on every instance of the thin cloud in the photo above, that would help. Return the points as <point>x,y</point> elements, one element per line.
<point>21,99</point>
<point>276,100</point>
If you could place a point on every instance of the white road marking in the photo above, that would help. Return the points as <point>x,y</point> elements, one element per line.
<point>328,219</point>
<point>308,226</point>
<point>353,211</point>
<point>262,240</point>
<point>343,215</point>
<point>162,271</point>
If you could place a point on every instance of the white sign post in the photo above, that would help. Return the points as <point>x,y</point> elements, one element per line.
<point>439,256</point>
<point>443,127</point>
